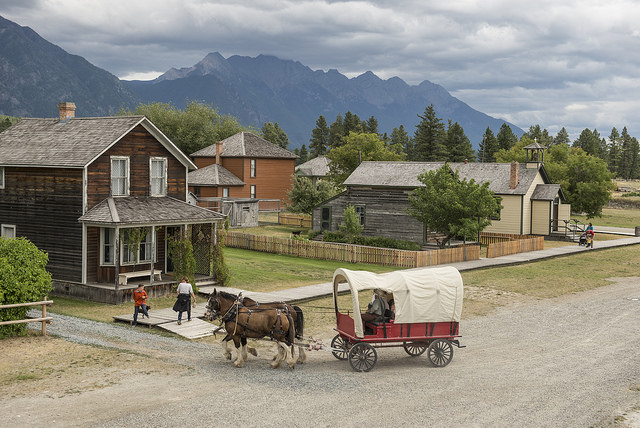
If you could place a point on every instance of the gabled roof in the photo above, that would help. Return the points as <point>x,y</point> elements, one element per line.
<point>498,175</point>
<point>147,210</point>
<point>547,192</point>
<point>405,175</point>
<point>316,167</point>
<point>246,145</point>
<point>73,143</point>
<point>214,175</point>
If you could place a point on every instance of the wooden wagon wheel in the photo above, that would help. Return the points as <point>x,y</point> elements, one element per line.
<point>362,357</point>
<point>440,352</point>
<point>415,348</point>
<point>338,342</point>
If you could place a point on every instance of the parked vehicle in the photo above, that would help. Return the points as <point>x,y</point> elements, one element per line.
<point>428,307</point>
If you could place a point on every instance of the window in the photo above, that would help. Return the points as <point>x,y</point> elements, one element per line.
<point>325,218</point>
<point>8,231</point>
<point>108,240</point>
<point>360,211</point>
<point>127,255</point>
<point>1,177</point>
<point>143,251</point>
<point>496,216</point>
<point>253,191</point>
<point>119,176</point>
<point>196,191</point>
<point>158,174</point>
<point>253,168</point>
<point>225,192</point>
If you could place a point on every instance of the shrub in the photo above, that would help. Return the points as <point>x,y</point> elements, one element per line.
<point>23,279</point>
<point>371,241</point>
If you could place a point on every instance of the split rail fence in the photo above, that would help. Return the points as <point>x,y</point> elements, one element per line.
<point>351,253</point>
<point>44,319</point>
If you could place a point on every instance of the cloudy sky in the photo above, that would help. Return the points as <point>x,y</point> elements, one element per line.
<point>571,63</point>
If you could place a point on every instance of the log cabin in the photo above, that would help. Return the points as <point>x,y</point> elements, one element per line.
<point>379,192</point>
<point>79,188</point>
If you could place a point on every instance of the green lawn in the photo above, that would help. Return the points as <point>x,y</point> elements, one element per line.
<point>255,271</point>
<point>614,217</point>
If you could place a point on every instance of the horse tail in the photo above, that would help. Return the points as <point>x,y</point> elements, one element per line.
<point>299,322</point>
<point>292,329</point>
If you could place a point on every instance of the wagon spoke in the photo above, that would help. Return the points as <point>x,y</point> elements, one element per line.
<point>362,357</point>
<point>440,352</point>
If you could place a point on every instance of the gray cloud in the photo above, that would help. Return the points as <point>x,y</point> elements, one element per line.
<point>573,63</point>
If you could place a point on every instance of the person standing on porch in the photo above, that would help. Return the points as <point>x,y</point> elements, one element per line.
<point>183,304</point>
<point>140,301</point>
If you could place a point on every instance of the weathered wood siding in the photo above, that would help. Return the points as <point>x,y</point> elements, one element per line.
<point>106,274</point>
<point>44,204</point>
<point>385,213</point>
<point>139,146</point>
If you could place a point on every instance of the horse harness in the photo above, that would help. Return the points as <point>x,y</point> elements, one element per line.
<point>233,313</point>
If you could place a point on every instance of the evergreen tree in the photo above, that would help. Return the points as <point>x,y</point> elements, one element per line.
<point>352,123</point>
<point>430,137</point>
<point>506,138</point>
<point>319,142</point>
<point>488,147</point>
<point>590,142</point>
<point>274,134</point>
<point>336,133</point>
<point>614,151</point>
<point>460,148</point>
<point>304,154</point>
<point>541,136</point>
<point>371,126</point>
<point>400,137</point>
<point>629,159</point>
<point>562,138</point>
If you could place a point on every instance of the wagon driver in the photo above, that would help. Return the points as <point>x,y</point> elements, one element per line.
<point>377,307</point>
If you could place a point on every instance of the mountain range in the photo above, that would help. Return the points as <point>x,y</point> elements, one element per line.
<point>35,75</point>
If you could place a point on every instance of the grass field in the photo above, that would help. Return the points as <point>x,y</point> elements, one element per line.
<point>614,217</point>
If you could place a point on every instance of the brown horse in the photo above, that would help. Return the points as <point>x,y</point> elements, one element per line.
<point>294,311</point>
<point>241,323</point>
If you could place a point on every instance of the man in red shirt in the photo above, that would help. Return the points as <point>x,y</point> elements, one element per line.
<point>140,299</point>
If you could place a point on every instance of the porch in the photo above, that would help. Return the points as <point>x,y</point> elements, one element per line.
<point>109,293</point>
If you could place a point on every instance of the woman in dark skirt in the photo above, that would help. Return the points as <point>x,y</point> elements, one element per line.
<point>183,304</point>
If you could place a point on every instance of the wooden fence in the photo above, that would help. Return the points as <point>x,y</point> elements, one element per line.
<point>502,244</point>
<point>44,319</point>
<point>295,220</point>
<point>351,253</point>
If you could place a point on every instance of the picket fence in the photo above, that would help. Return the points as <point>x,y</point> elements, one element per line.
<point>503,244</point>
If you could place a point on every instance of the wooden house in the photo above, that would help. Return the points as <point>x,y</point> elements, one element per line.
<point>243,166</point>
<point>79,188</point>
<point>379,193</point>
<point>315,169</point>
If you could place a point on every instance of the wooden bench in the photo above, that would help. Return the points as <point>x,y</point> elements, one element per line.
<point>123,277</point>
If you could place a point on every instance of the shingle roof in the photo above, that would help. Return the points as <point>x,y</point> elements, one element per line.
<point>316,167</point>
<point>246,144</point>
<point>390,174</point>
<point>147,210</point>
<point>73,143</point>
<point>405,175</point>
<point>214,175</point>
<point>545,192</point>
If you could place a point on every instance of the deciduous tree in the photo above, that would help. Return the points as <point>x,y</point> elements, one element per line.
<point>452,206</point>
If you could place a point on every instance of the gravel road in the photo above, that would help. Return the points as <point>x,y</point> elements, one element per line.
<point>566,362</point>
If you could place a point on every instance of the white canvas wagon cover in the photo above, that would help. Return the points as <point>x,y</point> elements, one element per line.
<point>420,295</point>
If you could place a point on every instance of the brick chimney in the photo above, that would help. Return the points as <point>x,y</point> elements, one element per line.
<point>67,110</point>
<point>218,152</point>
<point>513,179</point>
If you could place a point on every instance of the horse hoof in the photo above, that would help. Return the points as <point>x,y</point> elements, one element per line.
<point>238,365</point>
<point>274,365</point>
<point>253,352</point>
<point>227,356</point>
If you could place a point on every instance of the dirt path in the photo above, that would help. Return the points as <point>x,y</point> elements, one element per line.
<point>568,362</point>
